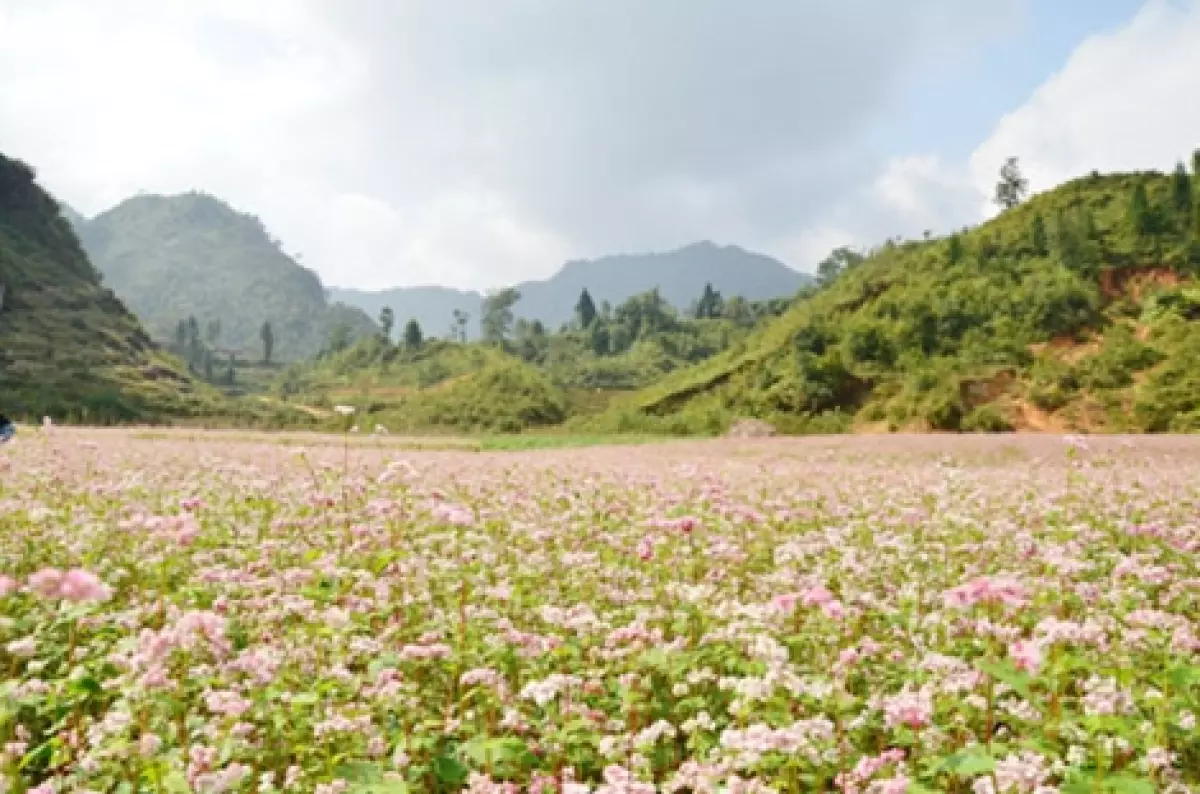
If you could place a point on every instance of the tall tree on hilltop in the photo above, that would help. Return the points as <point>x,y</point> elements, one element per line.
<point>387,321</point>
<point>497,314</point>
<point>585,309</point>
<point>413,338</point>
<point>1181,193</point>
<point>267,334</point>
<point>181,337</point>
<point>1196,164</point>
<point>1012,187</point>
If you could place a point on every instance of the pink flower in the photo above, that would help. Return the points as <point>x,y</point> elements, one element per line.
<point>645,548</point>
<point>46,582</point>
<point>895,785</point>
<point>191,503</point>
<point>79,585</point>
<point>987,590</point>
<point>8,586</point>
<point>1026,655</point>
<point>913,709</point>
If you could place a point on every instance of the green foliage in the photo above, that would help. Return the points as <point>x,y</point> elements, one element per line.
<point>413,337</point>
<point>505,397</point>
<point>930,333</point>
<point>497,314</point>
<point>585,309</point>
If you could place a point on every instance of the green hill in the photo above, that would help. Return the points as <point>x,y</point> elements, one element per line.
<point>68,346</point>
<point>175,257</point>
<point>1077,309</point>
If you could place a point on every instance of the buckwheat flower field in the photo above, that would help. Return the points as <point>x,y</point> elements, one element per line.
<point>219,613</point>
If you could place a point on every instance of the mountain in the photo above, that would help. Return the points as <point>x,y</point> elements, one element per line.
<point>1078,309</point>
<point>171,257</point>
<point>68,345</point>
<point>679,275</point>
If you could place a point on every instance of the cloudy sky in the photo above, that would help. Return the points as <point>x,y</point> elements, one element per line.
<point>474,143</point>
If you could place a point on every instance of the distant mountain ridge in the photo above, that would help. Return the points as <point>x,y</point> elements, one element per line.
<point>172,257</point>
<point>679,275</point>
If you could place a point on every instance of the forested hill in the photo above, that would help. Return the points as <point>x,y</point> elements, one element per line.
<point>679,276</point>
<point>68,345</point>
<point>1078,308</point>
<point>176,257</point>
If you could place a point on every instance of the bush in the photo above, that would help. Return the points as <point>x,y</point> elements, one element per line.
<point>986,419</point>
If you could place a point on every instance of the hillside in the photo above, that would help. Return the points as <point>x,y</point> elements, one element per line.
<point>1077,309</point>
<point>175,257</point>
<point>68,346</point>
<point>679,275</point>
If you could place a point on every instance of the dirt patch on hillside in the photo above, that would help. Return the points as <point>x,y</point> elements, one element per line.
<point>1134,282</point>
<point>1068,349</point>
<point>1028,418</point>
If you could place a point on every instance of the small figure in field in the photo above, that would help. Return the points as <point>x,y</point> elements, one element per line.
<point>7,428</point>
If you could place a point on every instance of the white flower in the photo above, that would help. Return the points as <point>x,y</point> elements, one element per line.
<point>344,410</point>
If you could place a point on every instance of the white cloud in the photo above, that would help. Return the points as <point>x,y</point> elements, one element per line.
<point>1123,101</point>
<point>469,142</point>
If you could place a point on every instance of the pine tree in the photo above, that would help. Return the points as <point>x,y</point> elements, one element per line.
<point>585,309</point>
<point>1181,193</point>
<point>267,334</point>
<point>413,338</point>
<point>1139,210</point>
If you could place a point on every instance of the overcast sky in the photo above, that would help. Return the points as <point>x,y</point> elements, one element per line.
<point>474,143</point>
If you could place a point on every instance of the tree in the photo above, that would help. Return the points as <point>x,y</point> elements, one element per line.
<point>212,333</point>
<point>838,262</point>
<point>585,309</point>
<point>1140,213</point>
<point>268,341</point>
<point>1181,193</point>
<point>954,249</point>
<point>1012,187</point>
<point>710,304</point>
<point>497,314</point>
<point>181,337</point>
<point>1037,235</point>
<point>1196,164</point>
<point>458,330</point>
<point>387,321</point>
<point>195,346</point>
<point>413,338</point>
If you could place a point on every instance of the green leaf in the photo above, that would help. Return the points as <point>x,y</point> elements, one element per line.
<point>1128,784</point>
<point>359,772</point>
<point>1006,672</point>
<point>969,763</point>
<point>1183,676</point>
<point>449,770</point>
